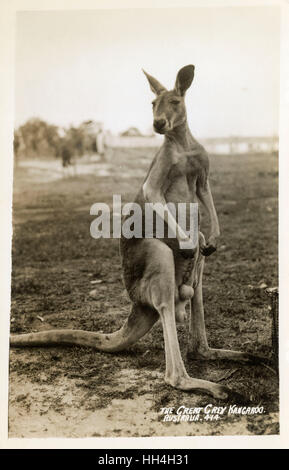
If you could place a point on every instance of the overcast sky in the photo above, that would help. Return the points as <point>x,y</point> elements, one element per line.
<point>77,65</point>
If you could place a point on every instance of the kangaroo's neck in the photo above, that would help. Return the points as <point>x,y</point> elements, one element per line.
<point>180,137</point>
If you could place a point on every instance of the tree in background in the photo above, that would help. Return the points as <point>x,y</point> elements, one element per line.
<point>38,139</point>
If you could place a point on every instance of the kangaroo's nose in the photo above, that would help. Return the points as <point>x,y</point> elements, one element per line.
<point>159,124</point>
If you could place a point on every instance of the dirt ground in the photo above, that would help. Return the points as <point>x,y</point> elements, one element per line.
<point>79,392</point>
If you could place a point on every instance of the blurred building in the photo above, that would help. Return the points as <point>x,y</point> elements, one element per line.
<point>238,145</point>
<point>131,132</point>
<point>214,145</point>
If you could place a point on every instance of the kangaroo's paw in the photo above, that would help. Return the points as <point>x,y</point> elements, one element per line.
<point>188,384</point>
<point>211,354</point>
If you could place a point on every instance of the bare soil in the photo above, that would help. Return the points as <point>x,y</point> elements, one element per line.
<point>79,392</point>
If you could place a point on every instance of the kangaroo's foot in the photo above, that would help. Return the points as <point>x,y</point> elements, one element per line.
<point>187,384</point>
<point>211,354</point>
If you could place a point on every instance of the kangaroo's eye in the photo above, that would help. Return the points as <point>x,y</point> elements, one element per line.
<point>175,101</point>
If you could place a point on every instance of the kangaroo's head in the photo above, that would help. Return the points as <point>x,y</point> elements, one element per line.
<point>169,109</point>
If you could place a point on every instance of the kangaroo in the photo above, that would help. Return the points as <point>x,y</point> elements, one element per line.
<point>162,277</point>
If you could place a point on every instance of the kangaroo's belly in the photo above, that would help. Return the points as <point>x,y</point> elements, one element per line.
<point>181,194</point>
<point>181,191</point>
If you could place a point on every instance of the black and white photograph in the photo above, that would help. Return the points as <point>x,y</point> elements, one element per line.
<point>144,252</point>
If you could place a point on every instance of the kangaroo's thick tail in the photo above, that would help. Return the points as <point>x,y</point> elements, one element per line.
<point>139,322</point>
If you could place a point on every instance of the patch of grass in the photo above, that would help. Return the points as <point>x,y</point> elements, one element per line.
<point>26,287</point>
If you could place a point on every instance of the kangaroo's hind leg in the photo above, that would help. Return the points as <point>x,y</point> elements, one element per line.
<point>198,345</point>
<point>159,282</point>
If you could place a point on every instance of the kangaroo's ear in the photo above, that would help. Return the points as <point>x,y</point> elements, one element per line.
<point>156,86</point>
<point>184,79</point>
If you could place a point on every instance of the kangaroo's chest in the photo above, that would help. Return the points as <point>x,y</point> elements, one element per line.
<point>181,180</point>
